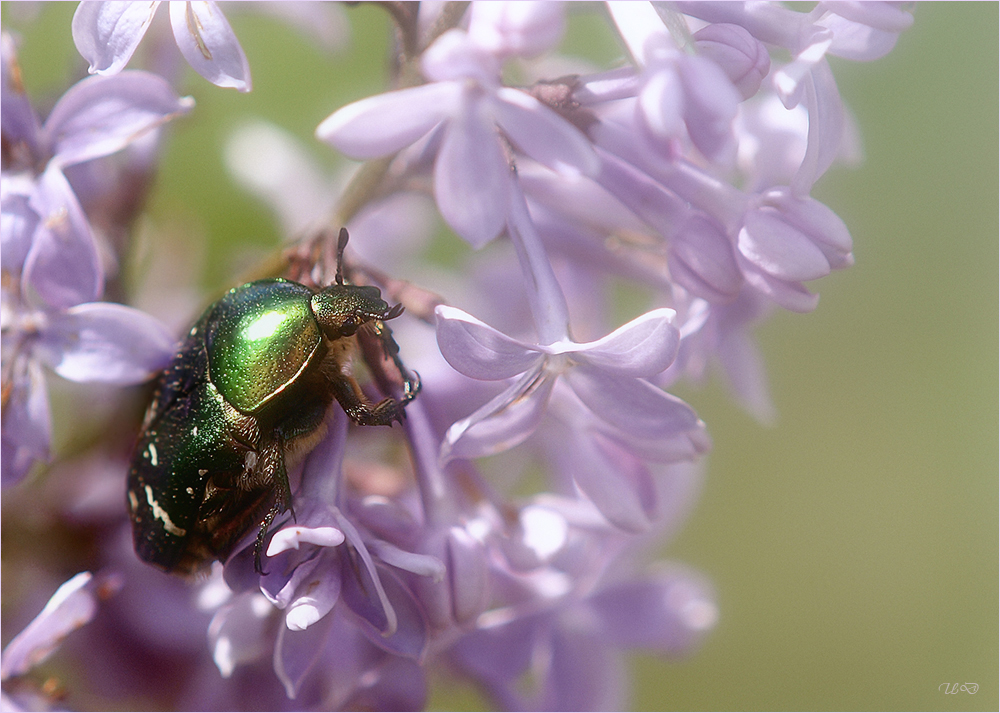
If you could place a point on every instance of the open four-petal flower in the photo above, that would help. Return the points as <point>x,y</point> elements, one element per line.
<point>608,375</point>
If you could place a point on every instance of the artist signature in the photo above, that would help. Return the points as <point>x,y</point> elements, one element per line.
<point>956,687</point>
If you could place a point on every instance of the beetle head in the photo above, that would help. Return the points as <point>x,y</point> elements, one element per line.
<point>341,309</point>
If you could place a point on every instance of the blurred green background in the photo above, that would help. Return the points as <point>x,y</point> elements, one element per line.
<point>854,544</point>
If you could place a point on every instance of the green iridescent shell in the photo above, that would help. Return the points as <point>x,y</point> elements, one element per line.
<point>260,337</point>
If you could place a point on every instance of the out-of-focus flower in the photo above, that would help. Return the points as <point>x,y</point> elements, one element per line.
<point>73,605</point>
<point>50,255</point>
<point>107,34</point>
<point>566,654</point>
<point>46,236</point>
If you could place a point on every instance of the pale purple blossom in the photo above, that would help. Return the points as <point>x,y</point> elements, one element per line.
<point>604,375</point>
<point>464,105</point>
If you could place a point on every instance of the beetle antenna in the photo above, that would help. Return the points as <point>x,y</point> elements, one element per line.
<point>341,244</point>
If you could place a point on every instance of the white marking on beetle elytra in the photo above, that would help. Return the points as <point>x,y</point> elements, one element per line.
<point>133,501</point>
<point>161,515</point>
<point>151,452</point>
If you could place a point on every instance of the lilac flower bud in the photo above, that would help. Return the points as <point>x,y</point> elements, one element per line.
<point>742,57</point>
<point>788,240</point>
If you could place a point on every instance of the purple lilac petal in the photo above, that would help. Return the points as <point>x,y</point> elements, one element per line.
<point>454,57</point>
<point>710,102</point>
<point>790,295</point>
<point>744,367</point>
<point>362,588</point>
<point>296,652</point>
<point>826,127</point>
<point>498,654</point>
<point>63,265</point>
<point>575,196</point>
<point>820,224</point>
<point>435,595</point>
<point>72,606</point>
<point>286,571</point>
<point>413,562</point>
<point>107,343</point>
<point>659,104</point>
<point>27,422</point>
<point>469,575</point>
<point>643,32</point>
<point>19,221</point>
<point>779,249</point>
<point>385,123</point>
<point>107,33</point>
<point>617,482</point>
<point>478,350</point>
<point>322,470</point>
<point>702,260</point>
<point>770,23</point>
<point>18,121</point>
<point>884,16</point>
<point>315,597</point>
<point>545,297</point>
<point>672,448</point>
<point>236,634</point>
<point>634,406</point>
<point>208,44</point>
<point>643,347</point>
<point>585,674</point>
<point>668,612</point>
<point>864,31</point>
<point>857,42</point>
<point>789,82</point>
<point>502,423</point>
<point>471,175</point>
<point>544,135</point>
<point>774,141</point>
<point>523,29</point>
<point>739,54</point>
<point>387,518</point>
<point>408,636</point>
<point>293,537</point>
<point>101,115</point>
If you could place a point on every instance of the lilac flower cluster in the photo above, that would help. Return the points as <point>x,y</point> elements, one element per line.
<point>547,459</point>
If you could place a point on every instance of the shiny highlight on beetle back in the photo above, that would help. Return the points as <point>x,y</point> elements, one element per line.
<point>259,338</point>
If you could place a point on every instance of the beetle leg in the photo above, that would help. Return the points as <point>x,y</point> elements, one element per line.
<point>272,470</point>
<point>258,546</point>
<point>411,384</point>
<point>348,394</point>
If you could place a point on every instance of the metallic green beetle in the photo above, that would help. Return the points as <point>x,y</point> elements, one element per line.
<point>247,389</point>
